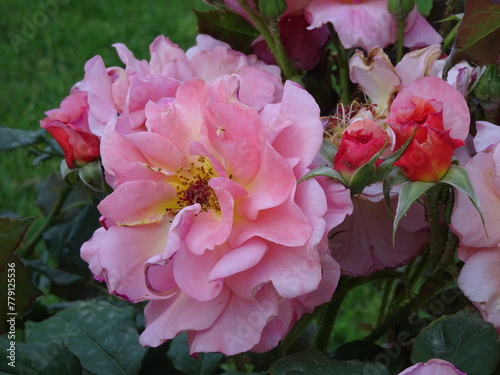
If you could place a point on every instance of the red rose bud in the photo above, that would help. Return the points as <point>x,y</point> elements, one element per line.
<point>428,156</point>
<point>360,142</point>
<point>69,127</point>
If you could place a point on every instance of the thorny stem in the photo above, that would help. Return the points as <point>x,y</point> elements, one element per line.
<point>28,248</point>
<point>343,63</point>
<point>271,35</point>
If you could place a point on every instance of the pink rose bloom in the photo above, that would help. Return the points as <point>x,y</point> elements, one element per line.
<point>113,90</point>
<point>368,23</point>
<point>433,367</point>
<point>69,127</point>
<point>207,221</point>
<point>484,171</point>
<point>480,247</point>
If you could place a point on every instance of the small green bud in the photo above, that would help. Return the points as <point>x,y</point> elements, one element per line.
<point>272,9</point>
<point>400,8</point>
<point>488,92</point>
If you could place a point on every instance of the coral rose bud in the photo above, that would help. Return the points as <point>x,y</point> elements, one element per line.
<point>428,156</point>
<point>69,127</point>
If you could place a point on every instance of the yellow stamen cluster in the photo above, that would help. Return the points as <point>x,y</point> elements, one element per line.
<point>192,186</point>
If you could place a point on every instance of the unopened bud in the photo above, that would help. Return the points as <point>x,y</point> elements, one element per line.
<point>400,8</point>
<point>488,92</point>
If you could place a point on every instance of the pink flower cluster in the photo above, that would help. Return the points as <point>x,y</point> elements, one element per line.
<point>206,221</point>
<point>406,101</point>
<point>204,151</point>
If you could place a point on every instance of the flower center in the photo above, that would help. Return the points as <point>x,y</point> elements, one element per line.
<point>193,186</point>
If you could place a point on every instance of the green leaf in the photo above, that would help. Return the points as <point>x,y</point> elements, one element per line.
<point>182,360</point>
<point>12,232</point>
<point>424,7</point>
<point>410,192</point>
<point>13,138</point>
<point>227,27</point>
<point>41,358</point>
<point>326,171</point>
<point>56,275</point>
<point>465,340</point>
<point>459,179</point>
<point>317,363</point>
<point>17,291</point>
<point>328,152</point>
<point>92,176</point>
<point>395,177</point>
<point>101,335</point>
<point>479,33</point>
<point>365,351</point>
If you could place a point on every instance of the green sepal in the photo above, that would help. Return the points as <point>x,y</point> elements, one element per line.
<point>385,167</point>
<point>92,176</point>
<point>410,192</point>
<point>366,174</point>
<point>459,179</point>
<point>326,171</point>
<point>328,152</point>
<point>70,176</point>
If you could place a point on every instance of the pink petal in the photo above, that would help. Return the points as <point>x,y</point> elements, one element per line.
<point>285,224</point>
<point>488,135</point>
<point>167,318</point>
<point>296,128</point>
<point>271,186</point>
<point>465,220</point>
<point>366,23</point>
<point>212,228</point>
<point>147,202</point>
<point>169,60</point>
<point>98,85</point>
<point>191,272</point>
<point>239,327</point>
<point>122,253</point>
<point>376,76</point>
<point>479,279</point>
<point>239,259</point>
<point>418,32</point>
<point>160,276</point>
<point>417,64</point>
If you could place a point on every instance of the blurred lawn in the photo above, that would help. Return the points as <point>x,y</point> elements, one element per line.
<point>44,47</point>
